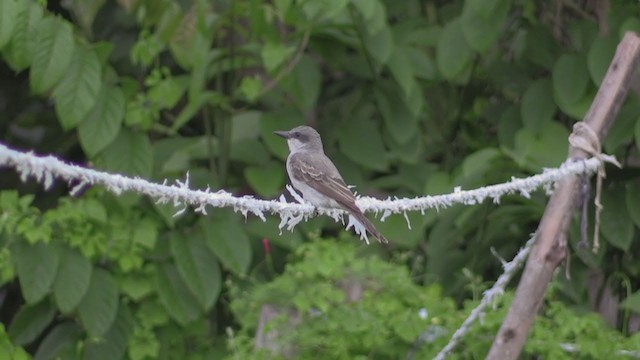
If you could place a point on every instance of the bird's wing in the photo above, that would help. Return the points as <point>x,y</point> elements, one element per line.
<point>319,173</point>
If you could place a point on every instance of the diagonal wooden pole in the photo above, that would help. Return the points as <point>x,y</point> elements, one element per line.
<point>549,250</point>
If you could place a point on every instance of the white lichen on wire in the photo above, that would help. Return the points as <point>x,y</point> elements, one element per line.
<point>46,168</point>
<point>489,297</point>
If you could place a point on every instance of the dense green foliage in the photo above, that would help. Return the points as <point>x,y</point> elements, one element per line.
<point>412,97</point>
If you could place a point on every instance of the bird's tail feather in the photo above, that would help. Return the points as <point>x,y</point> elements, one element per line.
<point>369,226</point>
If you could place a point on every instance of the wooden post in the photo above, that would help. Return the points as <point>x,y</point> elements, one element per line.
<point>549,251</point>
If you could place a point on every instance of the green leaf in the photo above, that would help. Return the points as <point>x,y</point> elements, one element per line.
<point>632,302</point>
<point>600,56</point>
<point>398,119</point>
<point>104,122</point>
<point>423,65</point>
<point>99,307</point>
<point>373,13</point>
<point>78,91</point>
<point>37,266</point>
<point>114,343</point>
<point>379,45</point>
<point>146,233</point>
<point>251,88</point>
<point>396,229</point>
<point>570,78</point>
<point>304,83</point>
<point>246,125</point>
<point>538,106</point>
<point>249,151</point>
<point>622,129</point>
<point>226,237</point>
<point>481,28</point>
<point>541,47</point>
<point>19,52</point>
<point>53,53</point>
<point>545,149</point>
<point>72,280</point>
<point>633,201</point>
<point>360,140</point>
<point>453,54</point>
<point>198,267</point>
<point>267,180</point>
<point>402,70</point>
<point>616,224</point>
<point>274,54</point>
<point>60,343</point>
<point>175,295</point>
<point>129,154</point>
<point>30,321</point>
<point>278,121</point>
<point>9,10</point>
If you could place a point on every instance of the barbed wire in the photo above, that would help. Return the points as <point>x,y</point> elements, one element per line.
<point>46,168</point>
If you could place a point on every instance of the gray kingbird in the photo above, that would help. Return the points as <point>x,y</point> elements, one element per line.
<point>314,175</point>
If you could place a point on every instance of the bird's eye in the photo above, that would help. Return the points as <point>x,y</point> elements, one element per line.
<point>296,135</point>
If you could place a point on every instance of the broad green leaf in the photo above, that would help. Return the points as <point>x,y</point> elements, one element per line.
<point>267,180</point>
<point>78,91</point>
<point>622,129</point>
<point>60,343</point>
<point>175,295</point>
<point>480,29</point>
<point>146,233</point>
<point>278,121</point>
<point>360,140</point>
<point>615,223</point>
<point>227,238</point>
<point>578,109</point>
<point>327,10</point>
<point>398,119</point>
<point>37,266</point>
<point>246,125</point>
<point>600,56</point>
<point>99,307</point>
<point>630,24</point>
<point>402,70</point>
<point>396,229</point>
<point>9,10</point>
<point>453,54</point>
<point>409,152</point>
<point>19,52</point>
<point>570,78</point>
<point>104,122</point>
<point>373,13</point>
<point>379,45</point>
<point>508,125</point>
<point>541,47</point>
<point>538,106</point>
<point>251,88</point>
<point>167,92</point>
<point>422,63</point>
<point>304,83</point>
<point>249,151</point>
<point>632,197</point>
<point>30,321</point>
<point>274,54</point>
<point>632,302</point>
<point>129,154</point>
<point>113,344</point>
<point>198,267</point>
<point>72,280</point>
<point>53,53</point>
<point>545,149</point>
<point>477,164</point>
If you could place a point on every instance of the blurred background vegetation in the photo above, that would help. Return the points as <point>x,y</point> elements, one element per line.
<point>412,97</point>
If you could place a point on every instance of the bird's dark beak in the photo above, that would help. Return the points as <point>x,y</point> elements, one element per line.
<point>284,134</point>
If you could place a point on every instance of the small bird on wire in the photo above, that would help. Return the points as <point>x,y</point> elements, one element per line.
<point>314,175</point>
